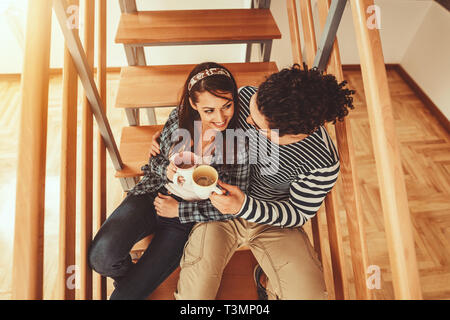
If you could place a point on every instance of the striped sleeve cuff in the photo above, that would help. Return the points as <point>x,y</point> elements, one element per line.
<point>245,209</point>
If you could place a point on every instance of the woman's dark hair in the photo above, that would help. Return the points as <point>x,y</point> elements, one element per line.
<point>296,100</point>
<point>217,85</point>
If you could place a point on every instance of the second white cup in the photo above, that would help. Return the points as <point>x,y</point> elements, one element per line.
<point>185,162</point>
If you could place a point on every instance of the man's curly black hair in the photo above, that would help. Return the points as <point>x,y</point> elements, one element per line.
<point>297,100</point>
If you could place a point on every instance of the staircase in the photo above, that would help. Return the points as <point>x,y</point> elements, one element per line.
<point>159,85</point>
<point>144,87</point>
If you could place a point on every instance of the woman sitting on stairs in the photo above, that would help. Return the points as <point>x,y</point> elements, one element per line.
<point>210,97</point>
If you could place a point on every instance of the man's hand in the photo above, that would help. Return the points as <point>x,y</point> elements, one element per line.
<point>166,206</point>
<point>154,148</point>
<point>231,201</point>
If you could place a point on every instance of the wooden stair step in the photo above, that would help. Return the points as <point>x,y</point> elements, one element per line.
<point>161,86</point>
<point>237,280</point>
<point>134,149</point>
<point>182,27</point>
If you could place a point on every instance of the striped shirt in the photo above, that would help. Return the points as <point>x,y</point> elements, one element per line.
<point>289,183</point>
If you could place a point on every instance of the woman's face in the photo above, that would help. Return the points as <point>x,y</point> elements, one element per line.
<point>215,113</point>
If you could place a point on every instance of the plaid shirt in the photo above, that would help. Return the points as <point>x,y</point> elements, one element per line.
<point>189,211</point>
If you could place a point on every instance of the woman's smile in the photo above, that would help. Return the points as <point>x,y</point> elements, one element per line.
<point>215,112</point>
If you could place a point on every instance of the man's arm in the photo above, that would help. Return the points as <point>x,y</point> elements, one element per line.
<point>306,196</point>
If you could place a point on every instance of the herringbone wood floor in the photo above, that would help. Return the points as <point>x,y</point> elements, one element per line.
<point>425,150</point>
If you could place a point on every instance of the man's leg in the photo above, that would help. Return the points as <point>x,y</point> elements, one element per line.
<point>207,252</point>
<point>290,263</point>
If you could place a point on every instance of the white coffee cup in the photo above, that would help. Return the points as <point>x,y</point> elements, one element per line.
<point>204,180</point>
<point>185,162</point>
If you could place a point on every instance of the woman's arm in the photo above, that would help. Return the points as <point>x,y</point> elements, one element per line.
<point>155,172</point>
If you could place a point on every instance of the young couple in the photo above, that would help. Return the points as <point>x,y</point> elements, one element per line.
<point>263,209</point>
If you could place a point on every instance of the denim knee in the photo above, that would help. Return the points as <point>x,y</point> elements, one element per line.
<point>101,256</point>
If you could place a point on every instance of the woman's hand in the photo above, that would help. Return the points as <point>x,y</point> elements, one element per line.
<point>171,169</point>
<point>154,148</point>
<point>166,206</point>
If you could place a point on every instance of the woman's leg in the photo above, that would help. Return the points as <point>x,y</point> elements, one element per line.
<point>109,253</point>
<point>160,259</point>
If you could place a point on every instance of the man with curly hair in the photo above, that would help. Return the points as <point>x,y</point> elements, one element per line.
<point>289,111</point>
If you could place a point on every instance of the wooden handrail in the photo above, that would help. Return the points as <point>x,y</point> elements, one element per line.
<point>67,229</point>
<point>389,168</point>
<point>100,215</point>
<point>27,275</point>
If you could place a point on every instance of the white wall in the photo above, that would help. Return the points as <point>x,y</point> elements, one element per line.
<point>415,34</point>
<point>13,23</point>
<point>427,58</point>
<point>400,20</point>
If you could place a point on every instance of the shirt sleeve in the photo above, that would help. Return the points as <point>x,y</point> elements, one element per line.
<point>155,171</point>
<point>306,195</point>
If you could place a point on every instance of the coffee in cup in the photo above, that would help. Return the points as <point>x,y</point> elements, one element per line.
<point>204,179</point>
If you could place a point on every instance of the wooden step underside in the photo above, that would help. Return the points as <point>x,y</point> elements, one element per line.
<point>161,86</point>
<point>180,27</point>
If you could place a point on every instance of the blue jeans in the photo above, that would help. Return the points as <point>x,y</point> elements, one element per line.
<point>134,219</point>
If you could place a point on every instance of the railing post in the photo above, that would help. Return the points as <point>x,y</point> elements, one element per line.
<point>294,32</point>
<point>389,167</point>
<point>87,158</point>
<point>101,150</point>
<point>27,278</point>
<point>309,38</point>
<point>309,33</point>
<point>352,201</point>
<point>67,224</point>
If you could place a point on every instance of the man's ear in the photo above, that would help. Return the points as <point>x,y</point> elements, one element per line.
<point>192,104</point>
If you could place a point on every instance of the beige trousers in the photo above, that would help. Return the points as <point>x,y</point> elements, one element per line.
<point>285,255</point>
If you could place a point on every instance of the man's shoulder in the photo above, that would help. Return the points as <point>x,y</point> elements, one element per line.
<point>247,91</point>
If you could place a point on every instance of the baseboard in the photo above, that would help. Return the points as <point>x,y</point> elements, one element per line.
<point>444,3</point>
<point>433,108</point>
<point>53,72</point>
<point>357,67</point>
<point>429,104</point>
